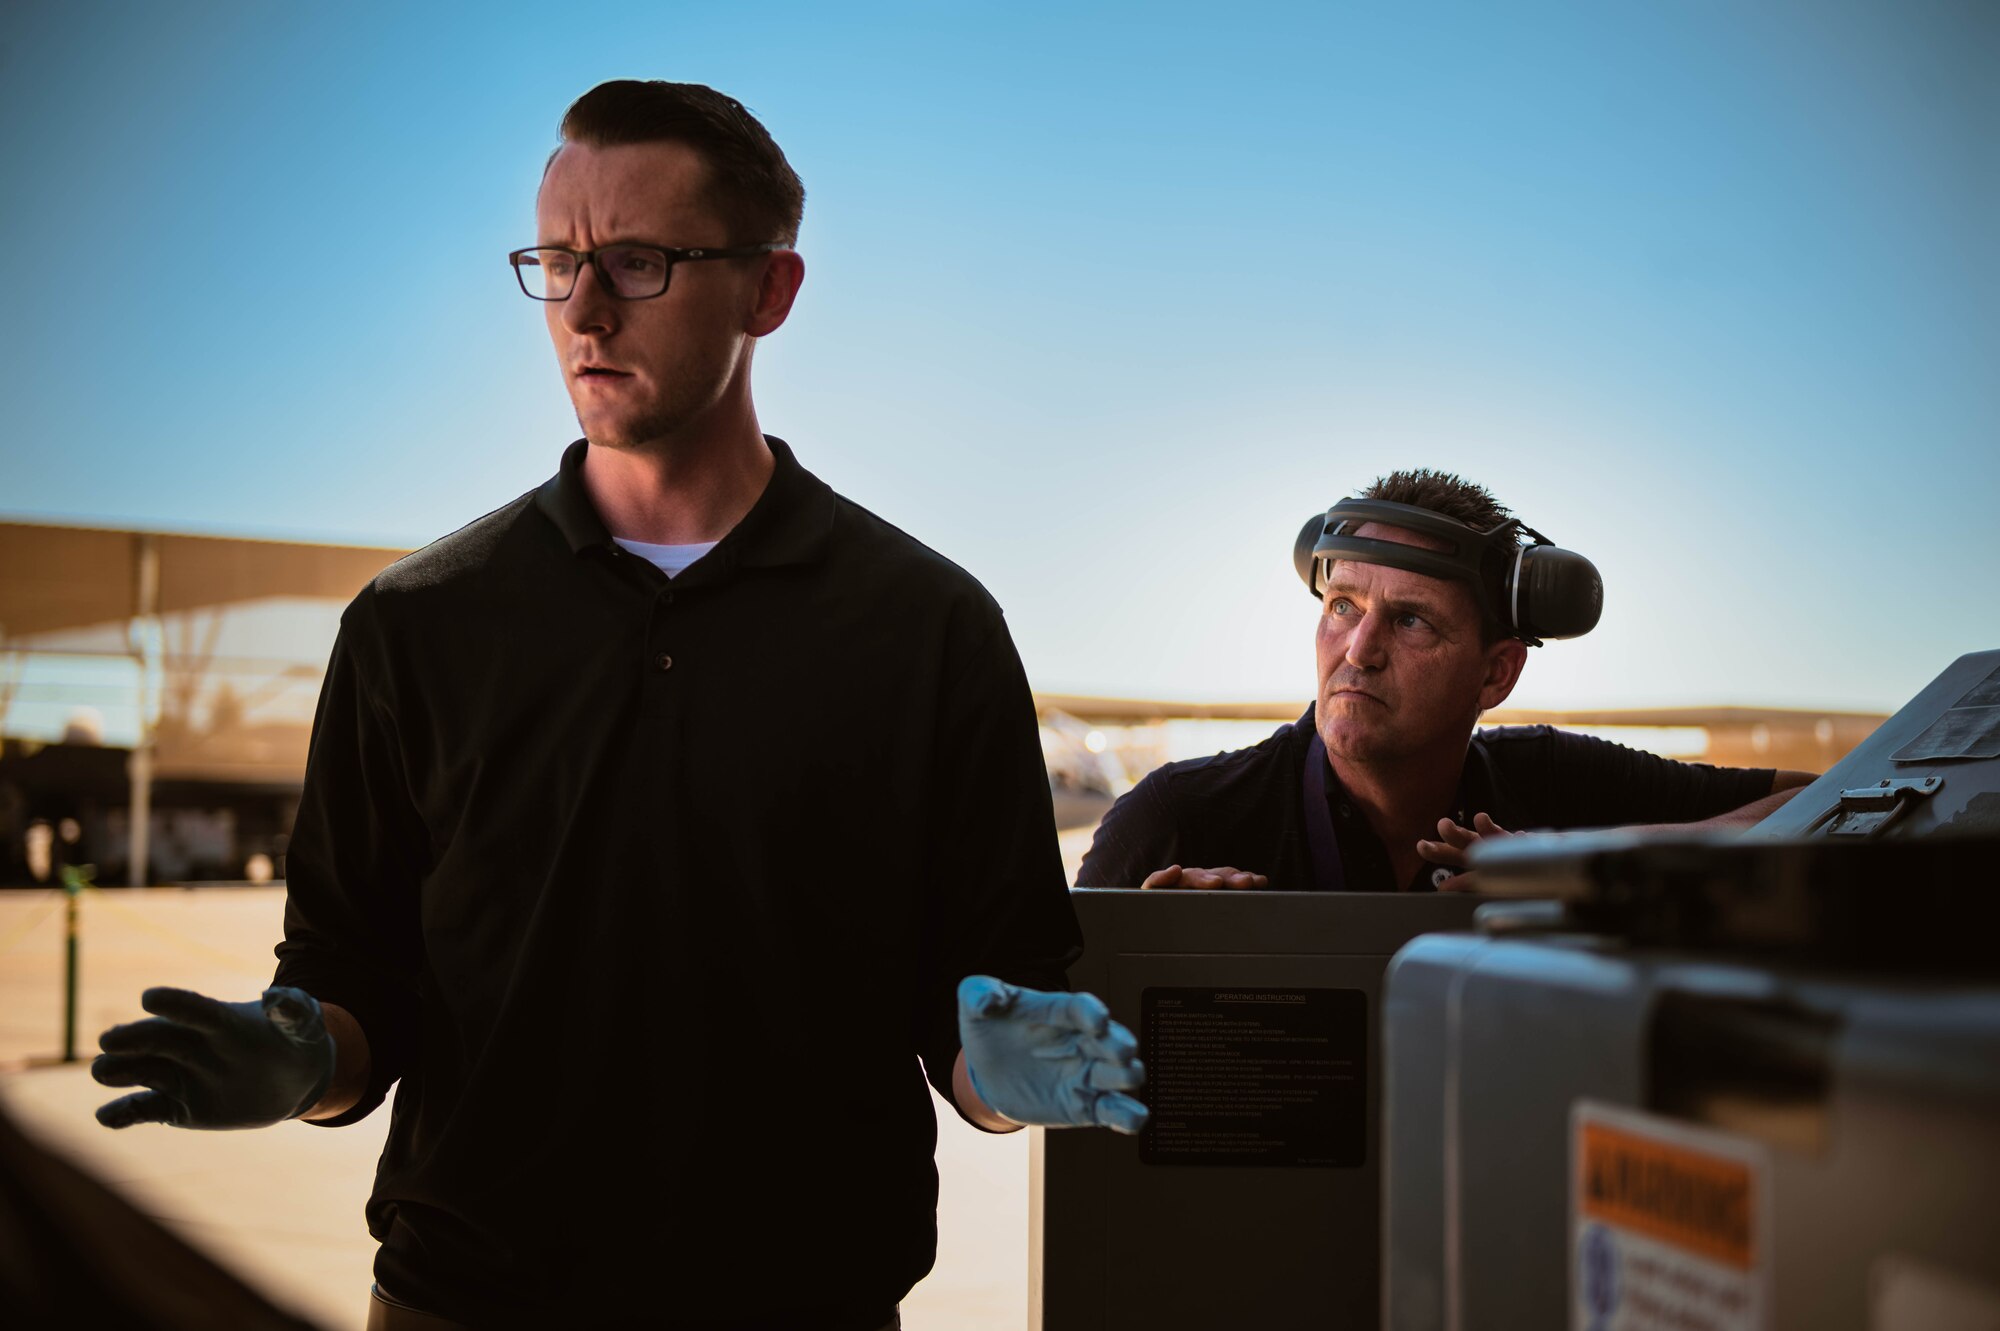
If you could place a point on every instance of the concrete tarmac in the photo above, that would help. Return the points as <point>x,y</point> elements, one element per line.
<point>282,1206</point>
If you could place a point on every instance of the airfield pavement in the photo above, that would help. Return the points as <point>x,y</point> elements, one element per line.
<point>283,1206</point>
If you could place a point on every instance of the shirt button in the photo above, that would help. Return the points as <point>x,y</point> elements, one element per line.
<point>665,662</point>
<point>1346,809</point>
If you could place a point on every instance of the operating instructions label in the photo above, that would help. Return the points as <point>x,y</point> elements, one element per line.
<point>1255,1077</point>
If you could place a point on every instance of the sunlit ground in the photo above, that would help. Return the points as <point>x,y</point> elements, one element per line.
<point>283,1206</point>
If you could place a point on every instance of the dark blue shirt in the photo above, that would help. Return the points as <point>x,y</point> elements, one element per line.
<point>1246,809</point>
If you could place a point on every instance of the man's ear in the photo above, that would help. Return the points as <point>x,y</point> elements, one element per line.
<point>777,288</point>
<point>1504,660</point>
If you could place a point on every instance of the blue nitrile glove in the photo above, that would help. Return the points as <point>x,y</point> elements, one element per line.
<point>1057,1060</point>
<point>212,1064</point>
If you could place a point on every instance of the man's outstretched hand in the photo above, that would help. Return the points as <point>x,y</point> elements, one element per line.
<point>211,1064</point>
<point>1055,1060</point>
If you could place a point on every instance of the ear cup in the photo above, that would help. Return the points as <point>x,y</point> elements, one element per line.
<point>1554,593</point>
<point>1302,552</point>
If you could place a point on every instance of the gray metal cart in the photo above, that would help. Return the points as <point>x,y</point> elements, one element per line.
<point>1748,1084</point>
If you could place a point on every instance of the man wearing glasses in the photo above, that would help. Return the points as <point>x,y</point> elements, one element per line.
<point>656,824</point>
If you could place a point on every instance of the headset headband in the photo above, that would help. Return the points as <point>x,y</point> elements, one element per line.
<point>1533,589</point>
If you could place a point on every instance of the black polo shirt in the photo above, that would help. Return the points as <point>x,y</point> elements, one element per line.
<point>653,894</point>
<point>1246,809</point>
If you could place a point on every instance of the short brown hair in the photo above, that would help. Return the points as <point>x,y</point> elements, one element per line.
<point>757,192</point>
<point>1440,492</point>
<point>1455,497</point>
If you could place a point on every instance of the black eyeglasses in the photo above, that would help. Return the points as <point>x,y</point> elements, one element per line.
<point>629,272</point>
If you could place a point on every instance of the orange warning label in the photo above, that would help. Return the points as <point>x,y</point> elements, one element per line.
<point>1679,1195</point>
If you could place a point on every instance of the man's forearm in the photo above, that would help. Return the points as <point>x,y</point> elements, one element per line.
<point>1750,814</point>
<point>971,1105</point>
<point>1784,786</point>
<point>350,1064</point>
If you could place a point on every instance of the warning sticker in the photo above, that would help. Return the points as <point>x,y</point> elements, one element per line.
<point>1668,1225</point>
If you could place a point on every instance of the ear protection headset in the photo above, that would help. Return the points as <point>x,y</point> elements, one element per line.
<point>1533,590</point>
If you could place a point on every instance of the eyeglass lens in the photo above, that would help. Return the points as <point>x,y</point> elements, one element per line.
<point>634,272</point>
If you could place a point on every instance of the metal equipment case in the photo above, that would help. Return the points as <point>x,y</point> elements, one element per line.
<point>1935,764</point>
<point>1252,1199</point>
<point>1731,1085</point>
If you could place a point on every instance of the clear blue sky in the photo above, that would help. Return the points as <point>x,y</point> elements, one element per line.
<point>1101,301</point>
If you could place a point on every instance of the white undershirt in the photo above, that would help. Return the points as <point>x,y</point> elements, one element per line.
<point>672,560</point>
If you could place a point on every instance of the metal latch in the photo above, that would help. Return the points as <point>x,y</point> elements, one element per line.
<point>1869,811</point>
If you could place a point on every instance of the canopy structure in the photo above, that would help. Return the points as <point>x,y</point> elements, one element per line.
<point>214,625</point>
<point>56,577</point>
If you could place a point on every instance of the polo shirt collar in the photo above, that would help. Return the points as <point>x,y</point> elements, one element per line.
<point>789,523</point>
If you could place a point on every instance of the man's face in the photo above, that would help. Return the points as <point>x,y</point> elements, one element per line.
<point>643,371</point>
<point>1402,668</point>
